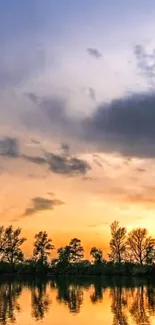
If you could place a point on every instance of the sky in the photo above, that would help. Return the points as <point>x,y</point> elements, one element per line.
<point>77,113</point>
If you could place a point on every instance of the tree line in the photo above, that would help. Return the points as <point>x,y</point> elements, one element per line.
<point>127,252</point>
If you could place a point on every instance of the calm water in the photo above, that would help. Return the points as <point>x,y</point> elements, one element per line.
<point>83,302</point>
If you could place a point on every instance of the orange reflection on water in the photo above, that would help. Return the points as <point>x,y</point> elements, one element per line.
<point>85,301</point>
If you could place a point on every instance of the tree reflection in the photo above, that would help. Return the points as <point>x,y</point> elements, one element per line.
<point>40,300</point>
<point>71,295</point>
<point>118,306</point>
<point>138,309</point>
<point>151,300</point>
<point>139,302</point>
<point>97,295</point>
<point>9,294</point>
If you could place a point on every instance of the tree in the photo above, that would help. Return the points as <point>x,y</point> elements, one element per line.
<point>42,247</point>
<point>118,242</point>
<point>97,255</point>
<point>76,250</point>
<point>64,254</point>
<point>141,246</point>
<point>2,242</point>
<point>11,245</point>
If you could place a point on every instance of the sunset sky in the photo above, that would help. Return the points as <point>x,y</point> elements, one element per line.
<point>77,117</point>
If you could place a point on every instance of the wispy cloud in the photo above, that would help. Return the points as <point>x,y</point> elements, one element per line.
<point>9,147</point>
<point>35,159</point>
<point>94,52</point>
<point>146,63</point>
<point>39,204</point>
<point>62,163</point>
<point>67,165</point>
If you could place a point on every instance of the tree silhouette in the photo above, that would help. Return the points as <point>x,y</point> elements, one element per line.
<point>12,242</point>
<point>97,255</point>
<point>76,250</point>
<point>2,242</point>
<point>64,254</point>
<point>117,243</point>
<point>42,247</point>
<point>141,246</point>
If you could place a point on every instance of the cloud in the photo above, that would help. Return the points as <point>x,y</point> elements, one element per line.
<point>39,160</point>
<point>9,147</point>
<point>65,149</point>
<point>67,165</point>
<point>32,97</point>
<point>141,170</point>
<point>126,195</point>
<point>52,117</point>
<point>95,225</point>
<point>123,126</point>
<point>146,63</point>
<point>92,93</point>
<point>62,163</point>
<point>40,204</point>
<point>34,141</point>
<point>94,52</point>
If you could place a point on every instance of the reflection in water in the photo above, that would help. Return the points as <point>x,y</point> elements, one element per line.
<point>129,304</point>
<point>151,300</point>
<point>97,294</point>
<point>139,305</point>
<point>118,307</point>
<point>71,295</point>
<point>40,300</point>
<point>9,294</point>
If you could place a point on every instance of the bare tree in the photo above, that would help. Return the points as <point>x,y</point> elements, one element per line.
<point>141,246</point>
<point>117,243</point>
<point>42,247</point>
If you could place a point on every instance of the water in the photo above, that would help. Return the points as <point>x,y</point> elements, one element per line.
<point>102,301</point>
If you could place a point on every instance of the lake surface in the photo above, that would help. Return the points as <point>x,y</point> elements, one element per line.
<point>99,301</point>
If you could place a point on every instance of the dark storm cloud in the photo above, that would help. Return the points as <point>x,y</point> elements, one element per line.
<point>9,147</point>
<point>39,204</point>
<point>125,125</point>
<point>94,52</point>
